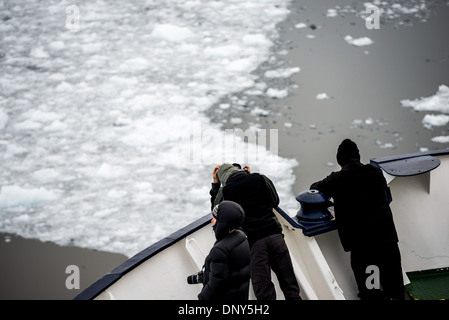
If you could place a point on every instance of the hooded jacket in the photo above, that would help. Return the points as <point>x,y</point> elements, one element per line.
<point>227,266</point>
<point>225,171</point>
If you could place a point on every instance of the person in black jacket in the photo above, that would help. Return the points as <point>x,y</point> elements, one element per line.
<point>257,195</point>
<point>365,223</point>
<point>216,191</point>
<point>227,267</point>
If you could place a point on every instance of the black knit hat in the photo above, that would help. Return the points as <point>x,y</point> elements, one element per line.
<point>347,151</point>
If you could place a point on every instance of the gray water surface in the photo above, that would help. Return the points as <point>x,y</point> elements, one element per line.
<point>408,59</point>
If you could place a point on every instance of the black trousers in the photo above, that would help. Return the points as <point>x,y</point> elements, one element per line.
<point>269,253</point>
<point>378,273</point>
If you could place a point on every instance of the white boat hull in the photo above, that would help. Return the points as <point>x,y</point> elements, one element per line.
<point>421,213</point>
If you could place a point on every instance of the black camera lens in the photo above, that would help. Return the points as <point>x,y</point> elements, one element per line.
<point>195,278</point>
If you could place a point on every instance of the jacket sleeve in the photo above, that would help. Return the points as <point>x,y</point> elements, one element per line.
<point>327,185</point>
<point>218,276</point>
<point>216,194</point>
<point>272,190</point>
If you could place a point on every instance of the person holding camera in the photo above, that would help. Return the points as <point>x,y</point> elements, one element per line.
<point>226,271</point>
<point>257,195</point>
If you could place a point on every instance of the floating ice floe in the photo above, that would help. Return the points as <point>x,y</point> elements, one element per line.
<point>282,73</point>
<point>277,93</point>
<point>441,139</point>
<point>300,25</point>
<point>331,13</point>
<point>39,53</point>
<point>359,42</point>
<point>46,175</point>
<point>27,125</point>
<point>387,145</point>
<point>260,112</point>
<point>369,121</point>
<point>322,96</point>
<point>13,196</point>
<point>107,171</point>
<point>236,120</point>
<point>438,102</point>
<point>3,119</point>
<point>13,149</point>
<point>436,120</point>
<point>168,32</point>
<point>56,126</point>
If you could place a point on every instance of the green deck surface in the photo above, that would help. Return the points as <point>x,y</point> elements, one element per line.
<point>429,284</point>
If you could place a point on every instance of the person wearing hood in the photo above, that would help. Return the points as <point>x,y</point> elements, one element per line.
<point>216,191</point>
<point>226,273</point>
<point>365,222</point>
<point>257,196</point>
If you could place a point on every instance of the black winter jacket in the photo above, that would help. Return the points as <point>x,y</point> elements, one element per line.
<point>227,266</point>
<point>361,203</point>
<point>257,195</point>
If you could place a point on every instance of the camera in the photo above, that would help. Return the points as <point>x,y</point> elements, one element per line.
<point>195,278</point>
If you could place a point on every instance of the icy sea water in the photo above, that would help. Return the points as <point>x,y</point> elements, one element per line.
<point>386,88</point>
<point>93,120</point>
